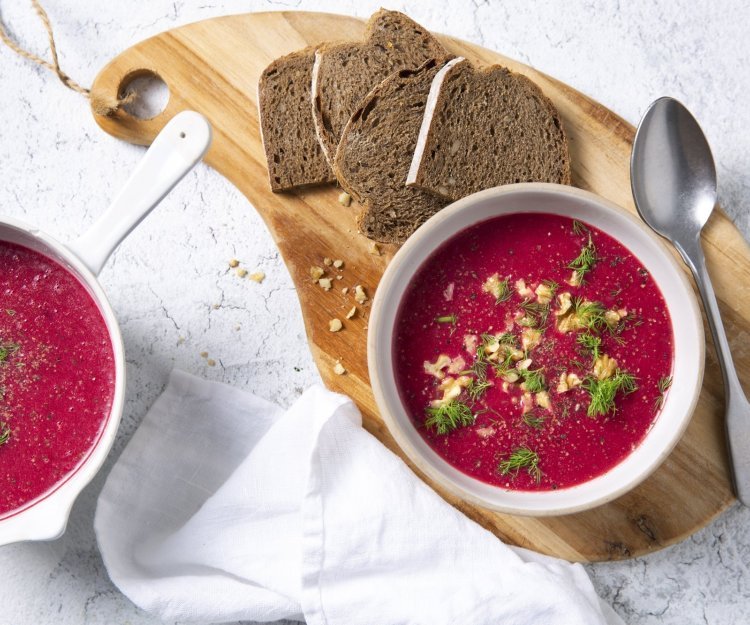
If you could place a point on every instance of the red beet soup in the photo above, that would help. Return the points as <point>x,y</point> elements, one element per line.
<point>533,351</point>
<point>57,374</point>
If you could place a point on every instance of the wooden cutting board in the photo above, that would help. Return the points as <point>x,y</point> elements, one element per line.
<point>213,67</point>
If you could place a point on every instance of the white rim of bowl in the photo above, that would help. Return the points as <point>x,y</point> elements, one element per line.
<point>411,257</point>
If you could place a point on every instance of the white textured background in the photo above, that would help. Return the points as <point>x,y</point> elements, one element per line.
<point>58,170</point>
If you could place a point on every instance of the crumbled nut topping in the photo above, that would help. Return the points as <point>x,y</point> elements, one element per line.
<point>334,325</point>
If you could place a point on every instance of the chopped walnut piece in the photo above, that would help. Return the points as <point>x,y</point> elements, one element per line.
<point>234,263</point>
<point>374,249</point>
<point>470,343</point>
<point>325,284</point>
<point>327,261</point>
<point>334,325</point>
<point>360,295</point>
<point>542,399</point>
<point>436,368</point>
<point>604,367</point>
<point>211,362</point>
<point>564,302</point>
<point>527,402</point>
<point>345,290</point>
<point>451,388</point>
<point>576,278</point>
<point>345,199</point>
<point>316,273</point>
<point>523,290</point>
<point>258,276</point>
<point>567,382</point>
<point>530,338</point>
<point>485,432</point>
<point>338,368</point>
<point>612,318</point>
<point>352,312</point>
<point>458,364</point>
<point>543,294</point>
<point>241,273</point>
<point>338,263</point>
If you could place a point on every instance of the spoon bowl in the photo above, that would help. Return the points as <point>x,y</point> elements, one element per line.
<point>673,172</point>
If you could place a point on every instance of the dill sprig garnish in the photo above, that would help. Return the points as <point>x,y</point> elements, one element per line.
<point>535,312</point>
<point>602,392</point>
<point>590,342</point>
<point>505,365</point>
<point>446,319</point>
<point>590,315</point>
<point>521,458</point>
<point>4,432</point>
<point>663,385</point>
<point>6,349</point>
<point>448,417</point>
<point>533,419</point>
<point>579,228</point>
<point>502,292</point>
<point>506,338</point>
<point>499,289</point>
<point>552,286</point>
<point>477,388</point>
<point>584,262</point>
<point>533,380</point>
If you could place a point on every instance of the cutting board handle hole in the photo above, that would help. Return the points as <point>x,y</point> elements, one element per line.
<point>152,94</point>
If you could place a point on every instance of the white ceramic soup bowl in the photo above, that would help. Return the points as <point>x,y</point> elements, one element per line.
<point>628,230</point>
<point>174,152</point>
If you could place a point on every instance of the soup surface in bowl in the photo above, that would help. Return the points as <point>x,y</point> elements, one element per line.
<point>533,351</point>
<point>57,374</point>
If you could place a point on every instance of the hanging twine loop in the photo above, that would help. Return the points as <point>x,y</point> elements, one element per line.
<point>102,105</point>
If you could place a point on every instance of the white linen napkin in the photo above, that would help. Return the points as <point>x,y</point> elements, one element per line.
<point>223,507</point>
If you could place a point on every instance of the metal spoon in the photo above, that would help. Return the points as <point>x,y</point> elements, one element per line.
<point>674,186</point>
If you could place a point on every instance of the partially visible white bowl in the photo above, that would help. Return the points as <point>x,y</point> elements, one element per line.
<point>689,346</point>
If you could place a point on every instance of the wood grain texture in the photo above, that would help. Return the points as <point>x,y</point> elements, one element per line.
<point>213,67</point>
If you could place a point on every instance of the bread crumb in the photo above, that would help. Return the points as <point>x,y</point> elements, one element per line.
<point>345,199</point>
<point>334,325</point>
<point>316,273</point>
<point>360,296</point>
<point>352,312</point>
<point>241,272</point>
<point>258,276</point>
<point>204,354</point>
<point>338,368</point>
<point>325,283</point>
<point>233,263</point>
<point>338,263</point>
<point>339,277</point>
<point>345,290</point>
<point>327,261</point>
<point>374,249</point>
<point>211,362</point>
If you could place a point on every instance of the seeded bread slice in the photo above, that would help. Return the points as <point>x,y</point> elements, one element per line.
<point>295,158</point>
<point>487,128</point>
<point>345,73</point>
<point>375,151</point>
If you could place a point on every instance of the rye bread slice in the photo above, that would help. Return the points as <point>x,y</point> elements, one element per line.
<point>295,158</point>
<point>344,73</point>
<point>375,151</point>
<point>484,128</point>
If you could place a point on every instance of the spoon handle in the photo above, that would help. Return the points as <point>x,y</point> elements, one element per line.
<point>737,407</point>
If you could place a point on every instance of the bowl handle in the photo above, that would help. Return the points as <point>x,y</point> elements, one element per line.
<point>44,520</point>
<point>176,150</point>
